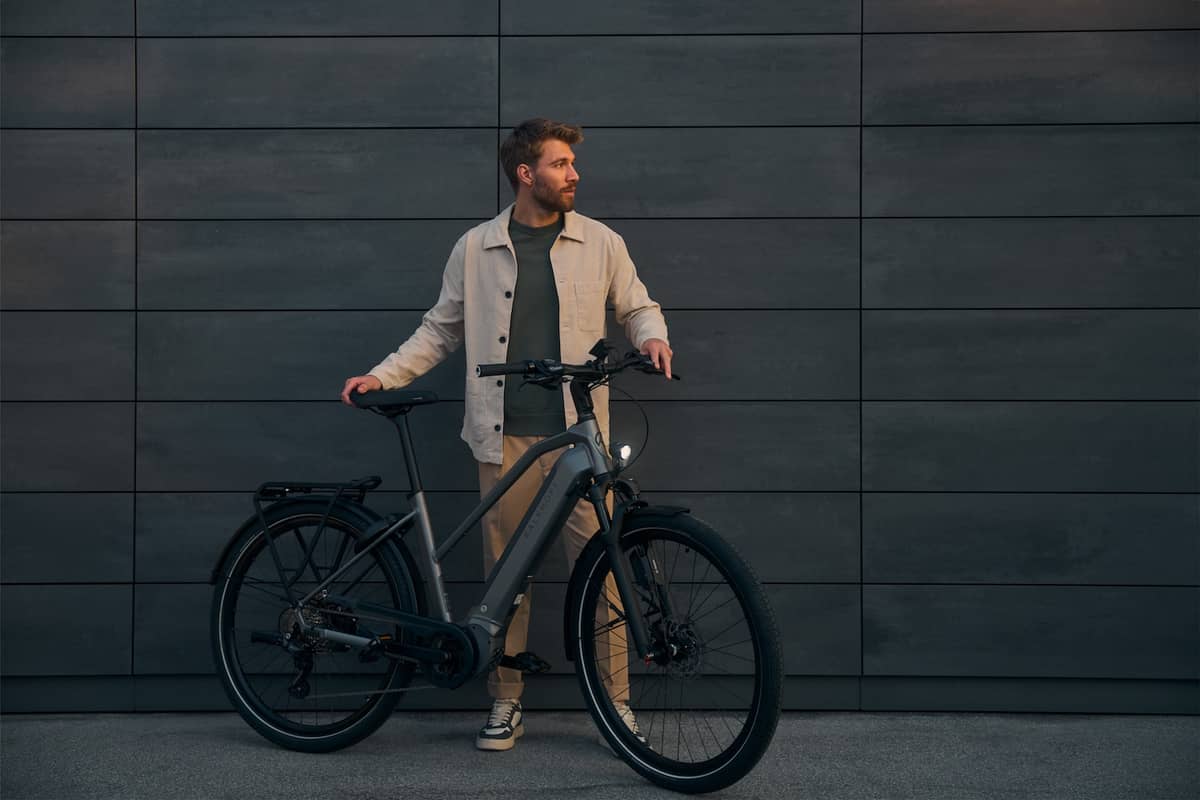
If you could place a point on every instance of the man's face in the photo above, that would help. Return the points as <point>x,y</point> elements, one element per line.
<point>554,177</point>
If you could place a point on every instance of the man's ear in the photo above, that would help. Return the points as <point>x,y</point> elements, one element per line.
<point>524,174</point>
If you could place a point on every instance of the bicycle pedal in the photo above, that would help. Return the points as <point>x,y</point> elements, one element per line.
<point>527,662</point>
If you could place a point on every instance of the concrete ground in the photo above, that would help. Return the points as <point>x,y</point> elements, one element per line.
<point>432,755</point>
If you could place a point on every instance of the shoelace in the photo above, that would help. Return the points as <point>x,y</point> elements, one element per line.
<point>626,714</point>
<point>502,713</point>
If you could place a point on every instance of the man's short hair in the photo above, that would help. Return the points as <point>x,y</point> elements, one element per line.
<point>524,144</point>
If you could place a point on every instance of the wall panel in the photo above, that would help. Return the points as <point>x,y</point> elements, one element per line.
<point>66,174</point>
<point>70,537</point>
<point>67,18</point>
<point>67,83</point>
<point>968,537</point>
<point>1031,78</point>
<point>1052,632</point>
<point>692,80</point>
<point>1043,170</point>
<point>1031,446</point>
<point>66,446</point>
<point>67,265</point>
<point>342,82</point>
<point>992,15</point>
<point>1049,355</point>
<point>289,264</point>
<point>36,617</point>
<point>315,173</point>
<point>274,355</point>
<point>67,355</point>
<point>1130,262</point>
<point>315,18</point>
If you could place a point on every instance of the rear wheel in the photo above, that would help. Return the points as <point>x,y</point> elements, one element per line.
<point>706,703</point>
<point>298,690</point>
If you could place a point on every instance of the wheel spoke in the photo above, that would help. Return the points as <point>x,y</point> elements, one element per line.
<point>341,690</point>
<point>693,709</point>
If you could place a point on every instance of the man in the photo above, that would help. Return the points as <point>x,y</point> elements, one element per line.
<point>531,283</point>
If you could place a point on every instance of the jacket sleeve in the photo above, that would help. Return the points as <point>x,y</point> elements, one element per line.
<point>641,317</point>
<point>439,334</point>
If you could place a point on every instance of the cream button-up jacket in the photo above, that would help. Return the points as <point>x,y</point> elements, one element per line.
<point>592,268</point>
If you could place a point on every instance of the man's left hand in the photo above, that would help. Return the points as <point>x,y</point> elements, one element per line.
<point>660,353</point>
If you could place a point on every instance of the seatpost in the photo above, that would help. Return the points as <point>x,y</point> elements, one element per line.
<point>410,458</point>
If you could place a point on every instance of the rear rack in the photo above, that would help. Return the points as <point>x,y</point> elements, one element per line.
<point>357,487</point>
<point>355,490</point>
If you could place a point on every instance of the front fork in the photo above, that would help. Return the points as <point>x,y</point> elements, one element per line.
<point>646,571</point>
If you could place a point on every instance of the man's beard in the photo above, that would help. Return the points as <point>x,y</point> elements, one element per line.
<point>550,199</point>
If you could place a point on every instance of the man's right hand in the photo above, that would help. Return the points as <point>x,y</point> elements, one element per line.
<point>361,383</point>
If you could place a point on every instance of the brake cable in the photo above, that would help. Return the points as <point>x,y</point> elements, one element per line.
<point>545,378</point>
<point>645,421</point>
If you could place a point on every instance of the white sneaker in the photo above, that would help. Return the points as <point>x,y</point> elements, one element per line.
<point>504,726</point>
<point>626,715</point>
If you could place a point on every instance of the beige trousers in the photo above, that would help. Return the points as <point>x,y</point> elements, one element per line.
<point>500,522</point>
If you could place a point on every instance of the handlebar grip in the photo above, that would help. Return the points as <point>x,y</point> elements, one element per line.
<point>511,368</point>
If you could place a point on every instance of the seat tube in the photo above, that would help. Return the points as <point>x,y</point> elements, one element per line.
<point>410,457</point>
<point>424,525</point>
<point>435,567</point>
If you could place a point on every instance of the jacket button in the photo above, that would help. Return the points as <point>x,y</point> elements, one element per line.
<point>503,339</point>
<point>497,427</point>
<point>499,383</point>
<point>508,294</point>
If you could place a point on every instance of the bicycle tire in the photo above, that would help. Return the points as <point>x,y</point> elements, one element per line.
<point>670,760</point>
<point>249,597</point>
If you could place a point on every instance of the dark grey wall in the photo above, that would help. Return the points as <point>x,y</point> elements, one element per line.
<point>947,256</point>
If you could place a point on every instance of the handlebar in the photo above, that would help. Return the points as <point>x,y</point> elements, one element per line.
<point>548,370</point>
<point>511,368</point>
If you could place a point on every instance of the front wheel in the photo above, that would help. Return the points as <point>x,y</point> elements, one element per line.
<point>703,706</point>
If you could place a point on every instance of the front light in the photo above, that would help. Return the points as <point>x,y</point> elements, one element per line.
<point>621,454</point>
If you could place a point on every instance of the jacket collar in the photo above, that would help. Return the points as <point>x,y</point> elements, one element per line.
<point>496,233</point>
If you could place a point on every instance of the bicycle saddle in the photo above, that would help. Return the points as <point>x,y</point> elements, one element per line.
<point>391,402</point>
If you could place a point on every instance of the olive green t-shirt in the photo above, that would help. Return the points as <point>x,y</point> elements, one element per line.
<point>533,332</point>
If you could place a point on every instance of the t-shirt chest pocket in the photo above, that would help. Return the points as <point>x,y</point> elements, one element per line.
<point>590,297</point>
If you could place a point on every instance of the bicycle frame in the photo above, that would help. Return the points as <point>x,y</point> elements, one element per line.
<point>582,471</point>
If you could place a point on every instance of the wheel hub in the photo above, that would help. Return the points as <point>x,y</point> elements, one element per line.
<point>681,653</point>
<point>687,649</point>
<point>332,616</point>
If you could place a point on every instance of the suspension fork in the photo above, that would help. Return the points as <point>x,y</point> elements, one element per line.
<point>645,569</point>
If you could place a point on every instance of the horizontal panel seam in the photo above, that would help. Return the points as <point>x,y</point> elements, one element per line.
<point>855,33</point>
<point>719,492</point>
<point>677,309</point>
<point>601,218</point>
<point>691,400</point>
<point>550,582</point>
<point>853,125</point>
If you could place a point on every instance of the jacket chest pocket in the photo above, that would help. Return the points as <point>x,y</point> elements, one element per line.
<point>589,305</point>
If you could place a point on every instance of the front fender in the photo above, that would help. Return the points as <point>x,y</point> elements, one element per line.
<point>633,510</point>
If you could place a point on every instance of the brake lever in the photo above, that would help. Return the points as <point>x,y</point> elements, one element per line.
<point>646,364</point>
<point>545,377</point>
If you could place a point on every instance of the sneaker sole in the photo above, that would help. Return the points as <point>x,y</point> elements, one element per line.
<point>501,744</point>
